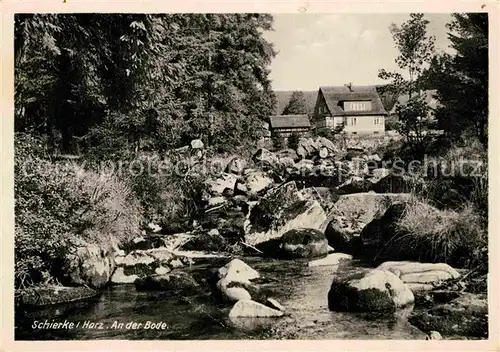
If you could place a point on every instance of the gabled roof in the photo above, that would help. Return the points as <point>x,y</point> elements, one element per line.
<point>283,98</point>
<point>334,95</point>
<point>429,99</point>
<point>290,121</point>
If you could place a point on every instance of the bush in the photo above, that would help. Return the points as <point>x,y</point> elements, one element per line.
<point>293,141</point>
<point>56,203</point>
<point>278,142</point>
<point>456,237</point>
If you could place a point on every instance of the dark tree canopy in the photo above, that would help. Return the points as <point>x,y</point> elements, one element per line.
<point>142,81</point>
<point>296,105</point>
<point>461,78</point>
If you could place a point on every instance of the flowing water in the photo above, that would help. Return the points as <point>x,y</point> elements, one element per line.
<point>300,289</point>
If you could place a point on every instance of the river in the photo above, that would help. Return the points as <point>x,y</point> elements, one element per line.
<point>302,290</point>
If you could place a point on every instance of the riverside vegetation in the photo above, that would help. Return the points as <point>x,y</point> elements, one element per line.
<point>135,185</point>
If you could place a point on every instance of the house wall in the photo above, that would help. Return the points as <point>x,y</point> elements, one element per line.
<point>286,132</point>
<point>328,121</point>
<point>320,110</point>
<point>364,124</point>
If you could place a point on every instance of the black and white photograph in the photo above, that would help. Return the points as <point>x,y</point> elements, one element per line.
<point>251,176</point>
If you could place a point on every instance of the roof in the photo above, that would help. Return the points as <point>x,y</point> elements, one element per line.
<point>334,95</point>
<point>283,98</point>
<point>429,99</point>
<point>290,121</point>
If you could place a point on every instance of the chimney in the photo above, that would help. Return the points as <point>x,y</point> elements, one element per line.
<point>349,85</point>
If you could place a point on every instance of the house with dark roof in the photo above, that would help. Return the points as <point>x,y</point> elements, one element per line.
<point>358,108</point>
<point>285,125</point>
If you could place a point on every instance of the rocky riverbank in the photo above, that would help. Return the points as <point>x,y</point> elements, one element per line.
<point>316,203</point>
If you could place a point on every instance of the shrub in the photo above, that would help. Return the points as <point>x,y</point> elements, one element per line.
<point>56,203</point>
<point>456,237</point>
<point>293,141</point>
<point>278,142</point>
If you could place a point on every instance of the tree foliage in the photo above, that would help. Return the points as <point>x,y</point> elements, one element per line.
<point>461,78</point>
<point>296,105</point>
<point>140,81</point>
<point>415,53</point>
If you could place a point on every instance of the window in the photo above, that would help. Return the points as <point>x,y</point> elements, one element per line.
<point>357,105</point>
<point>378,120</point>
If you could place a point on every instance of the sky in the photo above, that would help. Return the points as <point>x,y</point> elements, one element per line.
<point>335,49</point>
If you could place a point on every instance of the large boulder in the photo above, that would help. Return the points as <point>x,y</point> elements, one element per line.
<point>255,182</point>
<point>119,277</point>
<point>236,166</point>
<point>252,309</point>
<point>330,260</point>
<point>219,185</point>
<point>177,281</point>
<point>232,293</point>
<point>237,271</point>
<point>303,243</point>
<point>301,214</point>
<point>265,159</point>
<point>368,291</point>
<point>271,206</point>
<point>287,153</point>
<point>309,145</point>
<point>323,142</point>
<point>466,315</point>
<point>420,276</point>
<point>88,264</point>
<point>351,213</point>
<point>287,163</point>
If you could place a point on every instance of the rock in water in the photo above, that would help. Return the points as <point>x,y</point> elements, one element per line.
<point>368,291</point>
<point>162,270</point>
<point>119,277</point>
<point>331,259</point>
<point>251,309</point>
<point>274,304</point>
<point>238,271</point>
<point>304,243</point>
<point>434,335</point>
<point>420,276</point>
<point>197,144</point>
<point>88,264</point>
<point>174,281</point>
<point>232,294</point>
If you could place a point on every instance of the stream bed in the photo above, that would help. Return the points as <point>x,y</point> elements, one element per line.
<point>302,290</point>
